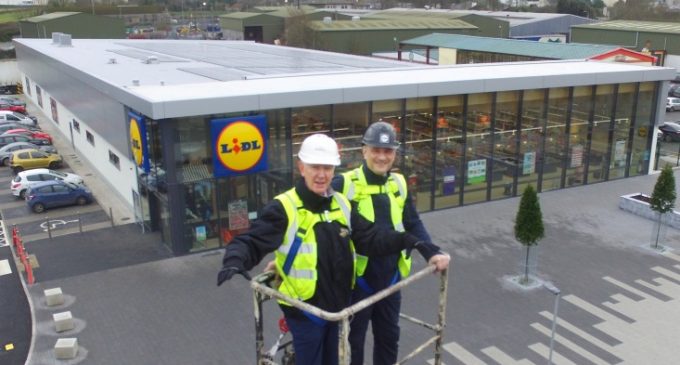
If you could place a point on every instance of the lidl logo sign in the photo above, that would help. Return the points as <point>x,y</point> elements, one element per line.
<point>138,141</point>
<point>239,145</point>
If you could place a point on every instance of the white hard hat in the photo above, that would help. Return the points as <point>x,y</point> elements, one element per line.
<point>319,149</point>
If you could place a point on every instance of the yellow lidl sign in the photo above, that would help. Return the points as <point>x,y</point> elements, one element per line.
<point>138,141</point>
<point>239,145</point>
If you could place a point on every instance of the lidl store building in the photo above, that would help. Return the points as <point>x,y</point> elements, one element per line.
<point>198,135</point>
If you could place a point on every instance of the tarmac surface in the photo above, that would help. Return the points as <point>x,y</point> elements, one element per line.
<point>134,304</point>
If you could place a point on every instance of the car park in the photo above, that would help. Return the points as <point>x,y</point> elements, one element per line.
<point>32,159</point>
<point>6,151</point>
<point>17,118</point>
<point>25,179</point>
<point>56,193</point>
<point>671,131</point>
<point>30,133</point>
<point>6,139</point>
<point>672,104</point>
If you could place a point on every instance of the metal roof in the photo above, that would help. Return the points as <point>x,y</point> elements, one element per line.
<point>241,15</point>
<point>635,26</point>
<point>165,90</point>
<point>559,51</point>
<point>50,16</point>
<point>398,24</point>
<point>514,18</point>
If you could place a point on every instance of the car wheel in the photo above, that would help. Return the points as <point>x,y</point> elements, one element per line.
<point>38,207</point>
<point>22,194</point>
<point>81,200</point>
<point>18,169</point>
<point>5,161</point>
<point>54,165</point>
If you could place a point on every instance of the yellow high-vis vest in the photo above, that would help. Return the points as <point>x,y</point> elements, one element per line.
<point>357,189</point>
<point>299,276</point>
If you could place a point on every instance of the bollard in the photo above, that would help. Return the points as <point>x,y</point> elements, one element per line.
<point>49,229</point>
<point>80,222</point>
<point>111,215</point>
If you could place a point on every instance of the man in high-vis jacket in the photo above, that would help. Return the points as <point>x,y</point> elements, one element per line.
<point>315,235</point>
<point>381,197</point>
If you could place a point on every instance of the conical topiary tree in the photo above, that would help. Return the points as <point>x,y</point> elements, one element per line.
<point>529,224</point>
<point>663,197</point>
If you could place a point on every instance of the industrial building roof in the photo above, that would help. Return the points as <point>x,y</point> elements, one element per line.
<point>50,16</point>
<point>400,24</point>
<point>635,26</point>
<point>546,50</point>
<point>241,15</point>
<point>514,18</point>
<point>168,79</point>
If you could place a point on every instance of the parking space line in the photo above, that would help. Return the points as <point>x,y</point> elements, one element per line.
<point>460,353</point>
<point>544,351</point>
<point>570,345</point>
<point>66,231</point>
<point>5,269</point>
<point>52,214</point>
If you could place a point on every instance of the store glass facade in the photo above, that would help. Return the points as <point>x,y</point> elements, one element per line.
<point>456,150</point>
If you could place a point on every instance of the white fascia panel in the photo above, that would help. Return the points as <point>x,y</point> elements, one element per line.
<point>448,88</point>
<point>518,83</point>
<point>178,107</point>
<point>383,92</point>
<point>615,78</point>
<point>300,98</point>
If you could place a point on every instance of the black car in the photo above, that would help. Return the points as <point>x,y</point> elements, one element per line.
<point>671,131</point>
<point>11,138</point>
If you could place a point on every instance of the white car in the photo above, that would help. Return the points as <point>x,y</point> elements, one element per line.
<point>8,116</point>
<point>27,178</point>
<point>672,104</point>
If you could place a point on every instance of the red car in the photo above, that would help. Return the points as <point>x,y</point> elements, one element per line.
<point>30,134</point>
<point>15,108</point>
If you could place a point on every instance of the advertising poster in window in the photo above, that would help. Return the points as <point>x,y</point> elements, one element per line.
<point>239,145</point>
<point>576,155</point>
<point>476,172</point>
<point>201,233</point>
<point>55,113</point>
<point>449,184</point>
<point>238,215</point>
<point>529,165</point>
<point>620,152</point>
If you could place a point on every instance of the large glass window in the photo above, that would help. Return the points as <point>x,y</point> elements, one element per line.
<point>556,139</point>
<point>478,151</point>
<point>450,149</point>
<point>307,121</point>
<point>622,127</point>
<point>349,124</point>
<point>581,109</point>
<point>643,129</point>
<point>531,138</point>
<point>599,145</point>
<point>505,163</point>
<point>418,150</point>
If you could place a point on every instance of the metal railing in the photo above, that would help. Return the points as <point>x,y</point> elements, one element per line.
<point>263,292</point>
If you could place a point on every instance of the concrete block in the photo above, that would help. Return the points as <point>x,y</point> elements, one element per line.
<point>54,297</point>
<point>63,321</point>
<point>66,348</point>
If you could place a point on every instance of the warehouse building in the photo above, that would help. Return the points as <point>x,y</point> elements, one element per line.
<point>78,25</point>
<point>160,120</point>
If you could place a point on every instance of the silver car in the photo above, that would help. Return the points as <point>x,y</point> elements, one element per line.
<point>6,151</point>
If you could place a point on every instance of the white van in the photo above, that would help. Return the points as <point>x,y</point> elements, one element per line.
<point>8,116</point>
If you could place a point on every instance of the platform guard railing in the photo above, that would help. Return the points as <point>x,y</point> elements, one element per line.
<point>263,292</point>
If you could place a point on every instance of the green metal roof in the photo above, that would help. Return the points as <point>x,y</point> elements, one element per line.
<point>242,15</point>
<point>399,24</point>
<point>558,51</point>
<point>634,26</point>
<point>50,16</point>
<point>411,13</point>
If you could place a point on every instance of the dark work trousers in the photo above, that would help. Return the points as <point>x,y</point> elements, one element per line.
<point>384,318</point>
<point>314,344</point>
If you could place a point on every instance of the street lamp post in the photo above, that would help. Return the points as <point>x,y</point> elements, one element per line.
<point>556,292</point>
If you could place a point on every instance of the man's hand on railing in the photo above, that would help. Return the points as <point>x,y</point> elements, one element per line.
<point>231,267</point>
<point>440,261</point>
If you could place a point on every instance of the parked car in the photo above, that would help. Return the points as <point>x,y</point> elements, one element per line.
<point>6,151</point>
<point>5,126</point>
<point>30,133</point>
<point>14,108</point>
<point>6,139</point>
<point>33,159</point>
<point>25,179</point>
<point>12,101</point>
<point>18,118</point>
<point>56,193</point>
<point>672,104</point>
<point>674,90</point>
<point>671,131</point>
